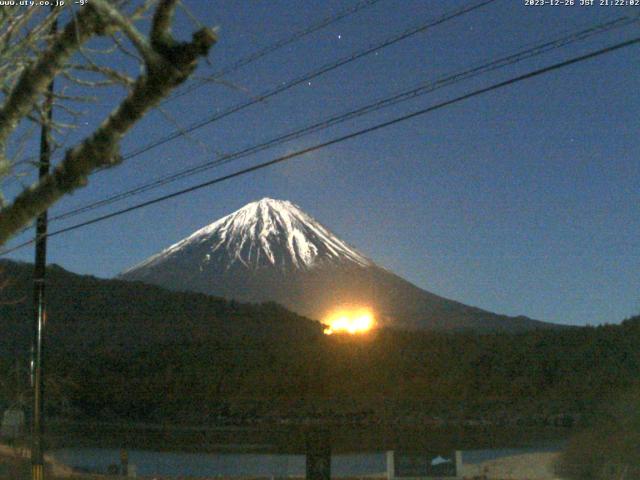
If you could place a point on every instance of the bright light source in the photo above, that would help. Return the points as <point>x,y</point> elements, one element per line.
<point>350,321</point>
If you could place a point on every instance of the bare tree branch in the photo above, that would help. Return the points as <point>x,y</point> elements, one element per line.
<point>35,78</point>
<point>149,55</point>
<point>161,26</point>
<point>142,9</point>
<point>170,64</point>
<point>110,73</point>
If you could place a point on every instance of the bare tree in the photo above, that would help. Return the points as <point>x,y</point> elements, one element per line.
<point>32,57</point>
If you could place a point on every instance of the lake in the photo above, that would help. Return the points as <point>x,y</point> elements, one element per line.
<point>150,462</point>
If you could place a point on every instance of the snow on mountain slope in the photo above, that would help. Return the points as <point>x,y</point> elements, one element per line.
<point>270,250</point>
<point>261,234</point>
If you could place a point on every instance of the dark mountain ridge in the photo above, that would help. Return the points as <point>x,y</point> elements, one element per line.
<point>86,312</point>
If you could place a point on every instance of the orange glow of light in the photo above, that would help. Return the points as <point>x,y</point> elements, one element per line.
<point>352,321</point>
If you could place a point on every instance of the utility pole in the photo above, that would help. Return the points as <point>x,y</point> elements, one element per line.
<point>318,453</point>
<point>40,311</point>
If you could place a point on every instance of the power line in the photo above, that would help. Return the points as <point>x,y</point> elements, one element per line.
<point>343,138</point>
<point>307,77</point>
<point>252,57</point>
<point>304,78</point>
<point>423,88</point>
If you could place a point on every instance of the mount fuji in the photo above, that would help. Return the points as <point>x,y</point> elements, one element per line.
<point>271,250</point>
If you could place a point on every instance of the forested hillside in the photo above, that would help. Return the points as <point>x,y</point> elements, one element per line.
<point>537,378</point>
<point>130,351</point>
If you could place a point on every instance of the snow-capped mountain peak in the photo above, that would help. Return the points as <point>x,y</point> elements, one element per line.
<point>270,250</point>
<point>265,233</point>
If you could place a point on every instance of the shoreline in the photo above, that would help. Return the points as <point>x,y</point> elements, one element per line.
<point>293,438</point>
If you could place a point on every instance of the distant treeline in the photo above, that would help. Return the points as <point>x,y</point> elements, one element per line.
<point>126,351</point>
<point>534,379</point>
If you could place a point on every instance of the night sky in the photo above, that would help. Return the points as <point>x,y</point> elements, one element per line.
<point>519,201</point>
